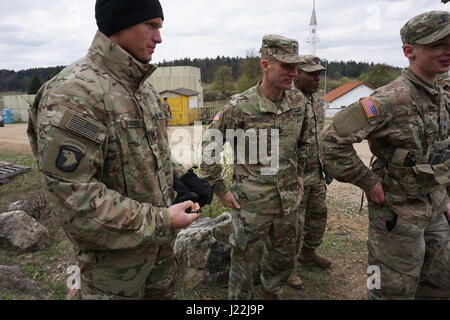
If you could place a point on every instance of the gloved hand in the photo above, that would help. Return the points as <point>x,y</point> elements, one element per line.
<point>183,193</point>
<point>199,187</point>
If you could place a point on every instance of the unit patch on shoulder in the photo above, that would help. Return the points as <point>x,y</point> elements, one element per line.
<point>370,107</point>
<point>69,158</point>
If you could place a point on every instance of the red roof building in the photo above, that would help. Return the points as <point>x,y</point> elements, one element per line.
<point>345,95</point>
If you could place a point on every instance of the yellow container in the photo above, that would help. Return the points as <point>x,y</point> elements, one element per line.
<point>182,115</point>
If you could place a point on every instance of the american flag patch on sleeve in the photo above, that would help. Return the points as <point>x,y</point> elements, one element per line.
<point>370,107</point>
<point>217,117</point>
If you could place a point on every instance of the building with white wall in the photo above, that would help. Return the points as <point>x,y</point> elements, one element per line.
<point>172,78</point>
<point>345,95</point>
<point>19,105</point>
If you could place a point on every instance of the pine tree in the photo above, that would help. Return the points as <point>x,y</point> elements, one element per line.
<point>35,85</point>
<point>223,82</point>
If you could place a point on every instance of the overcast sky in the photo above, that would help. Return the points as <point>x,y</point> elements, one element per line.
<point>57,32</point>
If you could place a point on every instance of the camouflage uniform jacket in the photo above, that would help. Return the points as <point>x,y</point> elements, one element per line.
<point>316,122</point>
<point>99,135</point>
<point>404,122</point>
<point>277,192</point>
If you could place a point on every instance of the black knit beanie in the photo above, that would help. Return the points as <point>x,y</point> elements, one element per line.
<point>115,15</point>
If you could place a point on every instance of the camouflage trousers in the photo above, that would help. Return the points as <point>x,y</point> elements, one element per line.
<point>312,217</point>
<point>413,257</point>
<point>147,273</point>
<point>265,240</point>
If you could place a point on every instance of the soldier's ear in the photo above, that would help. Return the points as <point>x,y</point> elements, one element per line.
<point>409,51</point>
<point>264,64</point>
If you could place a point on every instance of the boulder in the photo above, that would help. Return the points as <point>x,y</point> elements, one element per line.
<point>35,208</point>
<point>15,283</point>
<point>19,231</point>
<point>203,252</point>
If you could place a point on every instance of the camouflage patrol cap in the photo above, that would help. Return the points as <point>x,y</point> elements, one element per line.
<point>281,48</point>
<point>310,64</point>
<point>426,28</point>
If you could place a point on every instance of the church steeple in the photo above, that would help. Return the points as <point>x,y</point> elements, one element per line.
<point>313,17</point>
<point>313,39</point>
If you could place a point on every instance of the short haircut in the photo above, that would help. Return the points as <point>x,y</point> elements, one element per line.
<point>269,58</point>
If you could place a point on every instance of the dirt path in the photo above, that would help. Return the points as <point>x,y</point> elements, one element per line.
<point>13,137</point>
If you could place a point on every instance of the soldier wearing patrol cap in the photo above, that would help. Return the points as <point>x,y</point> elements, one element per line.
<point>407,126</point>
<point>99,134</point>
<point>313,209</point>
<point>265,204</point>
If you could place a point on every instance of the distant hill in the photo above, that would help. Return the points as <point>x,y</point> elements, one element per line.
<point>19,80</point>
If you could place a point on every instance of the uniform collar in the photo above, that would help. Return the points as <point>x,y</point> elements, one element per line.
<point>118,63</point>
<point>431,89</point>
<point>268,106</point>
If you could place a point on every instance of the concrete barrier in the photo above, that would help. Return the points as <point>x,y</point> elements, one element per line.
<point>19,105</point>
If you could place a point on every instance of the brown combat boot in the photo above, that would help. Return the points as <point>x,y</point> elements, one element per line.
<point>310,256</point>
<point>266,295</point>
<point>294,281</point>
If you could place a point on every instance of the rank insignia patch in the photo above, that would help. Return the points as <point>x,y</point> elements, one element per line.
<point>69,158</point>
<point>370,107</point>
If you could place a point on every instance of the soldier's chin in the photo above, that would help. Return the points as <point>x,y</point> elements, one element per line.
<point>286,85</point>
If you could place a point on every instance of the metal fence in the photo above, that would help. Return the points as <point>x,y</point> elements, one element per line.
<point>208,114</point>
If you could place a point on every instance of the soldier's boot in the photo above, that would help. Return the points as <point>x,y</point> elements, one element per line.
<point>266,295</point>
<point>294,281</point>
<point>311,256</point>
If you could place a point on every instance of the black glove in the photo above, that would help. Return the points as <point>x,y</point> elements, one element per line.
<point>183,193</point>
<point>199,187</point>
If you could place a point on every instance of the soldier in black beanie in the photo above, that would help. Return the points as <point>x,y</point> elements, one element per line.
<point>132,24</point>
<point>109,173</point>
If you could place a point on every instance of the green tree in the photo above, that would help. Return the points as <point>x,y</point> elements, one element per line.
<point>380,74</point>
<point>35,84</point>
<point>250,72</point>
<point>223,82</point>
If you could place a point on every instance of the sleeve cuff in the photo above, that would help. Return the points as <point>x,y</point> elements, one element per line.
<point>368,182</point>
<point>165,220</point>
<point>220,189</point>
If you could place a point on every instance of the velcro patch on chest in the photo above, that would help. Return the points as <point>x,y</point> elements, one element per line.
<point>133,124</point>
<point>370,107</point>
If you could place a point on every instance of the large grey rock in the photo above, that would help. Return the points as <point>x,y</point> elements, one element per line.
<point>35,208</point>
<point>20,232</point>
<point>203,253</point>
<point>13,282</point>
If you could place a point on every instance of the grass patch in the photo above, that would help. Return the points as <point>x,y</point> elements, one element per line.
<point>48,266</point>
<point>23,187</point>
<point>17,158</point>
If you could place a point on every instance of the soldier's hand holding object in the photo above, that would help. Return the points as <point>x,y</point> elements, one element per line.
<point>228,201</point>
<point>376,195</point>
<point>179,219</point>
